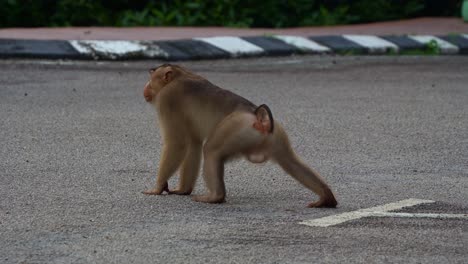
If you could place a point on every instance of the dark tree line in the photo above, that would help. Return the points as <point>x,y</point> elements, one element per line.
<point>231,13</point>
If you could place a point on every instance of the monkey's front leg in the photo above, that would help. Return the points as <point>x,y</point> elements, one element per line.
<point>158,191</point>
<point>189,169</point>
<point>171,158</point>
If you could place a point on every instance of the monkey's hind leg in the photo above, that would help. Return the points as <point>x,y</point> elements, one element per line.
<point>232,136</point>
<point>287,159</point>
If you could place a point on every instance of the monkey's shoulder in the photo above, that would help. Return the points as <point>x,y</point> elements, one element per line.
<point>196,86</point>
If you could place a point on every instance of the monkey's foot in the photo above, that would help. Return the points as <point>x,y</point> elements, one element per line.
<point>329,203</point>
<point>180,192</point>
<point>157,190</point>
<point>208,199</point>
<point>153,192</point>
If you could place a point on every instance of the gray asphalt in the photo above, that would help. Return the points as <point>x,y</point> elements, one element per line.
<point>79,144</point>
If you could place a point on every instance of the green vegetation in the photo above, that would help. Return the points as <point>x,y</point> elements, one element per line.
<point>432,48</point>
<point>229,13</point>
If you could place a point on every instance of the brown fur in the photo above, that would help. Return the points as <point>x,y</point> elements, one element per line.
<point>198,118</point>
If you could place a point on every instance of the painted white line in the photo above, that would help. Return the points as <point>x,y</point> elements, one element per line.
<point>335,219</point>
<point>421,215</point>
<point>118,47</point>
<point>152,50</point>
<point>303,44</point>
<point>465,35</point>
<point>234,45</point>
<point>80,48</point>
<point>445,47</point>
<point>396,205</point>
<point>348,216</point>
<point>374,44</point>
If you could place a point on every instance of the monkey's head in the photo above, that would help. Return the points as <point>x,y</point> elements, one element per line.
<point>159,77</point>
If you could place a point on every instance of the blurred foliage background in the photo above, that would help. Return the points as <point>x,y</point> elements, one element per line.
<point>228,13</point>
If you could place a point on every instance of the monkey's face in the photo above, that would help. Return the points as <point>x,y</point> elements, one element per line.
<point>148,92</point>
<point>153,86</point>
<point>159,77</point>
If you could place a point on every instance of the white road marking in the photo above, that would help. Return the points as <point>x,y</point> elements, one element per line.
<point>115,48</point>
<point>80,48</point>
<point>421,215</point>
<point>303,43</point>
<point>465,35</point>
<point>118,47</point>
<point>234,45</point>
<point>374,44</point>
<point>445,47</point>
<point>396,205</point>
<point>380,211</point>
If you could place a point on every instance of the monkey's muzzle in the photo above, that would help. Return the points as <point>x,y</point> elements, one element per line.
<point>147,93</point>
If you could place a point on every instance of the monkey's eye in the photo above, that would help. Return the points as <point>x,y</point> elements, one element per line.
<point>152,70</point>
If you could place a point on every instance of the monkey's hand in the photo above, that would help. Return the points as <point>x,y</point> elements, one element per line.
<point>158,190</point>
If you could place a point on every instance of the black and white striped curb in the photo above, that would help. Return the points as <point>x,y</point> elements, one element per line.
<point>231,47</point>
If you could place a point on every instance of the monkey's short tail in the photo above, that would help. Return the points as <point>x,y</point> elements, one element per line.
<point>262,110</point>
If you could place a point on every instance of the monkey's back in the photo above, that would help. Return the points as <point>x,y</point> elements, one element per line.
<point>216,98</point>
<point>204,99</point>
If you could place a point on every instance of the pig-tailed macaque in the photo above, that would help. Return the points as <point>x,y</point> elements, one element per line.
<point>197,118</point>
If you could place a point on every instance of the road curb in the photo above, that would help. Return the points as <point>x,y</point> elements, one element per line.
<point>233,47</point>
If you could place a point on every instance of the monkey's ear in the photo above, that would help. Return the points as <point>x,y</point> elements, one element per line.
<point>168,75</point>
<point>264,122</point>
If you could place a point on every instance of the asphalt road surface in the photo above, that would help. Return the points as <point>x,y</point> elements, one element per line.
<point>79,144</point>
